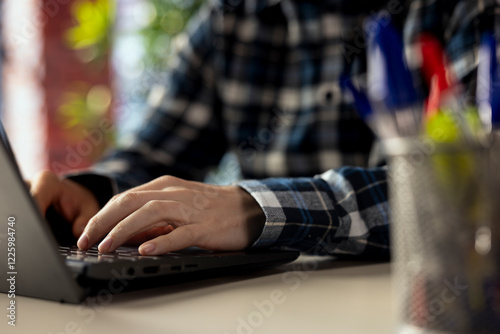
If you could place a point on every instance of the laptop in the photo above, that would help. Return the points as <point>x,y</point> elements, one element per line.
<point>39,262</point>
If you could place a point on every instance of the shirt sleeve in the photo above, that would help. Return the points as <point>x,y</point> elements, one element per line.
<point>341,212</point>
<point>182,136</point>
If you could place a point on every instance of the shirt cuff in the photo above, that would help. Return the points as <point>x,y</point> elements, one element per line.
<point>291,207</point>
<point>275,218</point>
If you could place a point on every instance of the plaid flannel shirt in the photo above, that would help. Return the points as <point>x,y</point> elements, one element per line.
<point>261,79</point>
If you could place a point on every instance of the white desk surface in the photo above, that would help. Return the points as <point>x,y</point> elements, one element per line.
<point>337,297</point>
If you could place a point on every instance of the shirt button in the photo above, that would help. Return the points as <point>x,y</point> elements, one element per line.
<point>329,97</point>
<point>328,94</point>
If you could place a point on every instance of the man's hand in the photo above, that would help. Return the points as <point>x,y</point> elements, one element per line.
<point>74,202</point>
<point>172,214</point>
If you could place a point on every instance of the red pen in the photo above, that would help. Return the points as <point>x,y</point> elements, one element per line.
<point>436,72</point>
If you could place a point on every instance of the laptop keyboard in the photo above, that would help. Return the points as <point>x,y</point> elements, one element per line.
<point>93,255</point>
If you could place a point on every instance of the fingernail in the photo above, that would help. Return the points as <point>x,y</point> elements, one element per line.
<point>105,245</point>
<point>147,249</point>
<point>83,241</point>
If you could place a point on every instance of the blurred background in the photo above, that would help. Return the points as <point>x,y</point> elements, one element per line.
<point>77,74</point>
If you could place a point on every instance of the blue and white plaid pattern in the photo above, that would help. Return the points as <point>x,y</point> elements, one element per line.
<point>260,79</point>
<point>342,211</point>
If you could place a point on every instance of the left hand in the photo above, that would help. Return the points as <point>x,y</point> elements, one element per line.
<point>170,214</point>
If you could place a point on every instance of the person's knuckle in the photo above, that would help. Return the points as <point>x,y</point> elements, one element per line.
<point>167,179</point>
<point>120,230</point>
<point>46,174</point>
<point>45,179</point>
<point>154,208</point>
<point>95,224</point>
<point>114,198</point>
<point>126,200</point>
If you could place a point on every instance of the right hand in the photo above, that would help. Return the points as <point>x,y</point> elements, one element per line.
<point>74,202</point>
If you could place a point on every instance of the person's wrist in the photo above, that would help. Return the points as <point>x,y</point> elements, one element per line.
<point>255,218</point>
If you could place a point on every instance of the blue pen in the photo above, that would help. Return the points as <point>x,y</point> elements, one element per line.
<point>390,83</point>
<point>361,101</point>
<point>488,81</point>
<point>381,127</point>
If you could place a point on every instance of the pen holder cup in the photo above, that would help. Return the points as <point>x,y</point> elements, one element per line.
<point>445,202</point>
